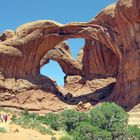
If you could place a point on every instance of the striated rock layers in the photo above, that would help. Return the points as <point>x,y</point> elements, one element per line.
<point>112,49</point>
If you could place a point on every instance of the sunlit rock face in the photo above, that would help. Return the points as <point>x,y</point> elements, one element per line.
<point>61,54</point>
<point>112,46</point>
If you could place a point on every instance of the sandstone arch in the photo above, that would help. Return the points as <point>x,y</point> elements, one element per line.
<point>114,28</point>
<point>31,42</point>
<point>61,54</point>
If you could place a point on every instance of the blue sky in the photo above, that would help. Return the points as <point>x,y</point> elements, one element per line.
<point>16,12</point>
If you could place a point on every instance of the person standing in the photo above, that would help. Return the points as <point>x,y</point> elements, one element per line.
<point>5,117</point>
<point>1,118</point>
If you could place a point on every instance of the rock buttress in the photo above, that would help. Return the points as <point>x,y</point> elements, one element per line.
<point>111,40</point>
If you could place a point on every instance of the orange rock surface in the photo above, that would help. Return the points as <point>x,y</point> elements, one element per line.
<point>112,49</point>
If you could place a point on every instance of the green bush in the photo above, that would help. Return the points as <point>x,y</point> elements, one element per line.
<point>71,119</point>
<point>3,130</point>
<point>134,132</point>
<point>110,117</point>
<point>105,122</point>
<point>29,121</point>
<point>43,130</point>
<point>14,118</point>
<point>42,119</point>
<point>53,120</point>
<point>86,131</point>
<point>28,115</point>
<point>66,137</point>
<point>103,135</point>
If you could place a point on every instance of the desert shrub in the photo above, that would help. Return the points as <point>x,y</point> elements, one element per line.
<point>14,118</point>
<point>24,113</point>
<point>71,119</point>
<point>50,119</point>
<point>110,117</point>
<point>86,131</point>
<point>3,130</point>
<point>134,132</point>
<point>28,115</point>
<point>67,120</point>
<point>66,137</point>
<point>25,119</point>
<point>103,135</point>
<point>43,119</point>
<point>53,120</point>
<point>105,122</point>
<point>29,121</point>
<point>43,130</point>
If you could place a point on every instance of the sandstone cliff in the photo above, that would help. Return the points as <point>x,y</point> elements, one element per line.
<point>112,46</point>
<point>61,54</point>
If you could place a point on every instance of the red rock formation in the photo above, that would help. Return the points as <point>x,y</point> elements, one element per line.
<point>127,91</point>
<point>61,54</point>
<point>111,49</point>
<point>82,86</point>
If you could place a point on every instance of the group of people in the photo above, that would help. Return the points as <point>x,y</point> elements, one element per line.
<point>3,118</point>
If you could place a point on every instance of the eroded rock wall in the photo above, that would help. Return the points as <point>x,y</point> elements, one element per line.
<point>61,54</point>
<point>127,92</point>
<point>111,49</point>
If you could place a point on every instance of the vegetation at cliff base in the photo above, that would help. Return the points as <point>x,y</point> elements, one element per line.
<point>29,121</point>
<point>106,122</point>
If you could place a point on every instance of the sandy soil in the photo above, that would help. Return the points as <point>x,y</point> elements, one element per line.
<point>134,114</point>
<point>16,132</point>
<point>23,134</point>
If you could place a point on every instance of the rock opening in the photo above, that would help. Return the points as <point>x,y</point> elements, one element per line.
<point>75,46</point>
<point>53,71</point>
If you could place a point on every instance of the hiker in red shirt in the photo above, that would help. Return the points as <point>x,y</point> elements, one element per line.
<point>5,117</point>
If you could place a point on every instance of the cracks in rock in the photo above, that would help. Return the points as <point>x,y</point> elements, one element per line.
<point>94,97</point>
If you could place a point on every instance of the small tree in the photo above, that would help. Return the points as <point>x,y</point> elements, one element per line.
<point>110,117</point>
<point>71,119</point>
<point>53,120</point>
<point>86,131</point>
